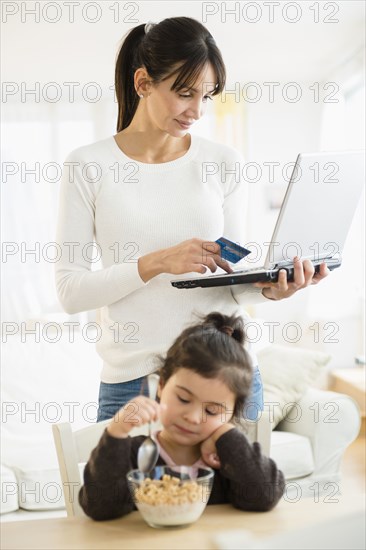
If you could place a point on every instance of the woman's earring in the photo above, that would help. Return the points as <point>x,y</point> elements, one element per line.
<point>141,95</point>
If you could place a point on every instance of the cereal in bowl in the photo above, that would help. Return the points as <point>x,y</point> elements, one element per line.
<point>168,490</point>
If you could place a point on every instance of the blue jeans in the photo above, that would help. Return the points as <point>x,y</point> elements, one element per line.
<point>113,396</point>
<point>254,405</point>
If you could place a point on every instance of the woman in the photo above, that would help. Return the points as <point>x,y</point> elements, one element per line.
<point>141,196</point>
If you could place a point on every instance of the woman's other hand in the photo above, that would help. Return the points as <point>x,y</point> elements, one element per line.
<point>304,275</point>
<point>194,255</point>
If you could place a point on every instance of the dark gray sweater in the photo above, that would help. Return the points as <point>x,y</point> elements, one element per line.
<point>247,479</point>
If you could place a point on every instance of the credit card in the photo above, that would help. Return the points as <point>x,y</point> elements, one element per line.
<point>232,252</point>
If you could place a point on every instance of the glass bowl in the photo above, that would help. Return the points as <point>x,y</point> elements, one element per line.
<point>171,496</point>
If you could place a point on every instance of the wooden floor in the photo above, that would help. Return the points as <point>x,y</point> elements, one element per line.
<point>354,467</point>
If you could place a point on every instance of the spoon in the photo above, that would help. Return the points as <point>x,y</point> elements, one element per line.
<point>148,452</point>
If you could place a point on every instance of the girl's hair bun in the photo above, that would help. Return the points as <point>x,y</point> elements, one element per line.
<point>227,330</point>
<point>231,325</point>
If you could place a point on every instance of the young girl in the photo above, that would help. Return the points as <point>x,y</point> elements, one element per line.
<point>204,382</point>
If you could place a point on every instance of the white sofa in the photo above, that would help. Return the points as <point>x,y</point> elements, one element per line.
<point>308,444</point>
<point>309,448</point>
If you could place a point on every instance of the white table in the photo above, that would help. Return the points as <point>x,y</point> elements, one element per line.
<point>132,532</point>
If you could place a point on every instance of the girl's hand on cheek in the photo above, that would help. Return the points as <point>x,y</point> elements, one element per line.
<point>208,446</point>
<point>137,412</point>
<point>209,453</point>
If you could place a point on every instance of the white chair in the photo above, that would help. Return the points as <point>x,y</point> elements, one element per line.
<point>74,448</point>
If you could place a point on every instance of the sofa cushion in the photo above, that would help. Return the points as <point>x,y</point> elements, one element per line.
<point>43,383</point>
<point>39,489</point>
<point>287,372</point>
<point>292,454</point>
<point>8,491</point>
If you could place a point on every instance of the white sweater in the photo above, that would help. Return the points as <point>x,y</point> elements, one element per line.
<point>129,209</point>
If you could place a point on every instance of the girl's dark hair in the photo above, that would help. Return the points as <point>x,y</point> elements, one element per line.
<point>176,40</point>
<point>214,349</point>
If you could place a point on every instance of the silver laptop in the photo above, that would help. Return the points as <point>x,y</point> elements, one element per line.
<point>314,219</point>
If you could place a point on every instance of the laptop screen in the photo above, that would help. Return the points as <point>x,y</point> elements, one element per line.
<point>318,207</point>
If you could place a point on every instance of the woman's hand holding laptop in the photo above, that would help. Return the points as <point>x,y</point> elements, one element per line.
<point>304,275</point>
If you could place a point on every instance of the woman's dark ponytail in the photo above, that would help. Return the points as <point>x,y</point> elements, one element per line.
<point>124,77</point>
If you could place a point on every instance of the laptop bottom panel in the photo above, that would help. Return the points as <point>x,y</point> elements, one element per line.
<point>226,279</point>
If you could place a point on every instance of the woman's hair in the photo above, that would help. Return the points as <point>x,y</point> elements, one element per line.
<point>174,41</point>
<point>213,349</point>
